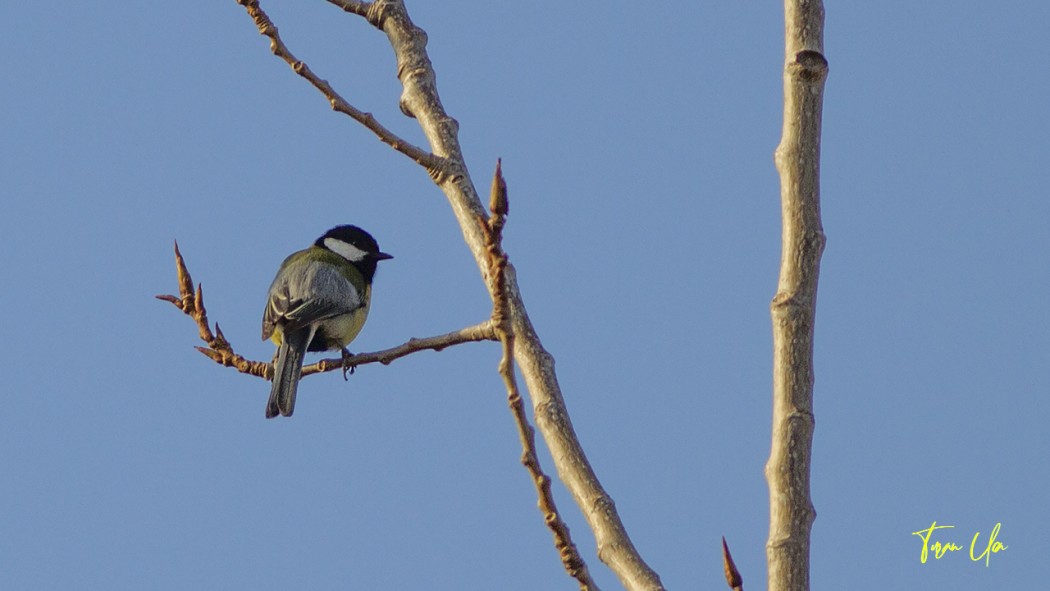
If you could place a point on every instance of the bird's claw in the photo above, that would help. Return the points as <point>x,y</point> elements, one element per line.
<point>348,365</point>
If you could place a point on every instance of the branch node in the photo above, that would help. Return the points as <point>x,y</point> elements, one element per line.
<point>810,65</point>
<point>376,13</point>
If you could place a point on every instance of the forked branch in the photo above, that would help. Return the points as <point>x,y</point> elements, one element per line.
<point>219,350</point>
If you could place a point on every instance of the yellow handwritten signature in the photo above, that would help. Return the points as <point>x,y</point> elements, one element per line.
<point>939,548</point>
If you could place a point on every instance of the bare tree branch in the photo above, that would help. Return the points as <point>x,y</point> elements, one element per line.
<point>793,309</point>
<point>483,331</point>
<point>221,351</point>
<point>432,163</point>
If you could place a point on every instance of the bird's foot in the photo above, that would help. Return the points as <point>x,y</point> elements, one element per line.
<point>348,365</point>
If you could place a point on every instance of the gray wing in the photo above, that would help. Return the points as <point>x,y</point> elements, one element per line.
<point>306,294</point>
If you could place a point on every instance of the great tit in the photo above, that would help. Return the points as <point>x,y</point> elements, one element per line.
<point>318,301</point>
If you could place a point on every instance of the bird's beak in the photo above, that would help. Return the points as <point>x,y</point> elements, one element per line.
<point>382,256</point>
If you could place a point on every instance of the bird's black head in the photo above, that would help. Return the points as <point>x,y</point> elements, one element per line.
<point>355,245</point>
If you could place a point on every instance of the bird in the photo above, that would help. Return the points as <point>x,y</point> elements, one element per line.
<point>318,301</point>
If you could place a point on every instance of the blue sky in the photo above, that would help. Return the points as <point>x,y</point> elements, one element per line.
<point>637,143</point>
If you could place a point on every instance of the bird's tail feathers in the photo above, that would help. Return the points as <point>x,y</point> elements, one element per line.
<point>287,370</point>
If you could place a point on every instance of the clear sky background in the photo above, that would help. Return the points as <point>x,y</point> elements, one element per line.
<point>637,140</point>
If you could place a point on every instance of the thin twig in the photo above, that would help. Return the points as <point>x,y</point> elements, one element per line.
<point>483,331</point>
<point>434,164</point>
<point>502,321</point>
<point>219,349</point>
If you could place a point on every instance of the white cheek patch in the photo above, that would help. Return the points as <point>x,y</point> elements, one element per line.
<point>345,249</point>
